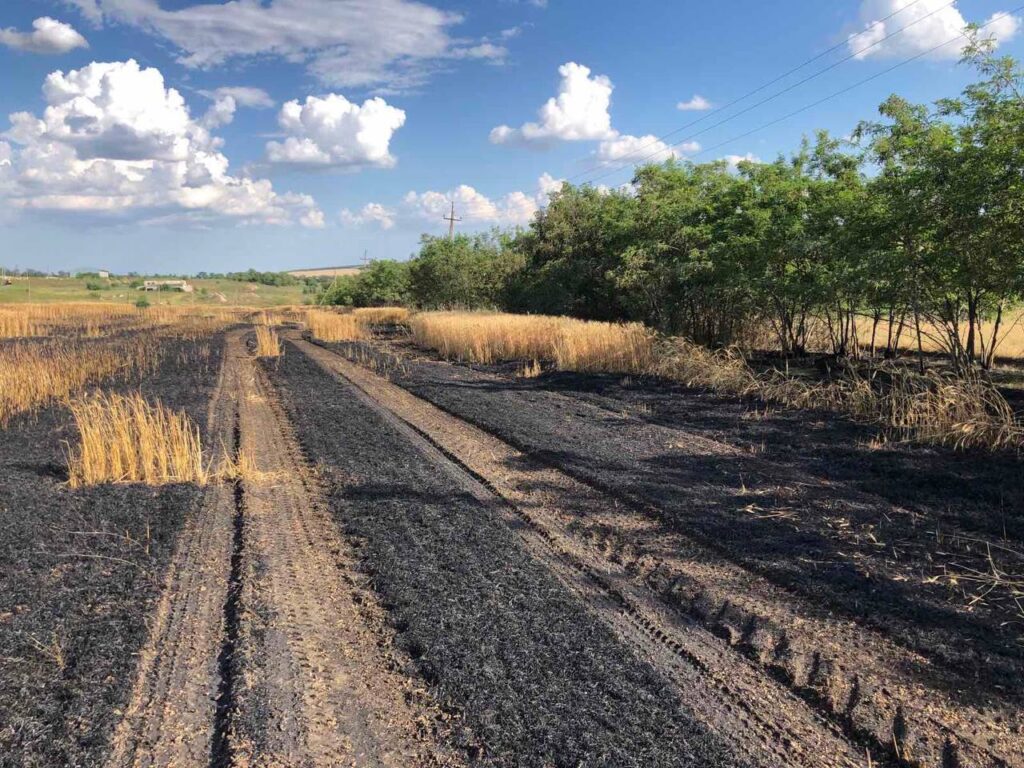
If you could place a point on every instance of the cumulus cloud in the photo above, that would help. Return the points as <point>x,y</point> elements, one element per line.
<point>579,111</point>
<point>371,213</point>
<point>226,102</point>
<point>389,44</point>
<point>733,161</point>
<point>47,36</point>
<point>475,208</point>
<point>332,132</point>
<point>929,23</point>
<point>244,96</point>
<point>637,149</point>
<point>115,140</point>
<point>696,104</point>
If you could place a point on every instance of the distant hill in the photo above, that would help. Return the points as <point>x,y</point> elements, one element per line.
<point>325,271</point>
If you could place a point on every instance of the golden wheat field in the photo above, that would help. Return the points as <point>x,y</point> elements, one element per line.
<point>573,345</point>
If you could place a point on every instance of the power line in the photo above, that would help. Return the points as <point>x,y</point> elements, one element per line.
<point>831,96</point>
<point>760,88</point>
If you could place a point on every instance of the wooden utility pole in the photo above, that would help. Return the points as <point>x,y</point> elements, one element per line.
<point>451,222</point>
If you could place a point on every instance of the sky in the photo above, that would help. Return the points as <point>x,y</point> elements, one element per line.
<point>178,136</point>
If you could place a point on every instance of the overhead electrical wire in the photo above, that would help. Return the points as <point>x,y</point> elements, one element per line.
<point>625,162</point>
<point>831,96</point>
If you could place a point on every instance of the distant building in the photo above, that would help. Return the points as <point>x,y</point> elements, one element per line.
<point>326,271</point>
<point>168,285</point>
<point>103,274</point>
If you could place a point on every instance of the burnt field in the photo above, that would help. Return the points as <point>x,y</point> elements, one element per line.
<point>356,553</point>
<point>80,570</point>
<point>889,557</point>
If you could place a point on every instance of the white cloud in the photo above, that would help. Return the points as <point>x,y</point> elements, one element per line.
<point>226,102</point>
<point>371,213</point>
<point>640,149</point>
<point>928,23</point>
<point>47,36</point>
<point>244,96</point>
<point>733,161</point>
<point>331,131</point>
<point>696,104</point>
<point>115,141</point>
<point>476,209</point>
<point>391,44</point>
<point>578,112</point>
<point>547,185</point>
<point>1001,26</point>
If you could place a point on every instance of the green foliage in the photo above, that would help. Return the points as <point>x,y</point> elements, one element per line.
<point>468,272</point>
<point>382,283</point>
<point>96,285</point>
<point>262,278</point>
<point>341,291</point>
<point>571,251</point>
<point>142,303</point>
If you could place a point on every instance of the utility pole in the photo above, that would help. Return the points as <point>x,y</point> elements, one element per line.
<point>366,258</point>
<point>451,222</point>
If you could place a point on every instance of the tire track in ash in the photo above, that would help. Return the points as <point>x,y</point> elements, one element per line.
<point>171,715</point>
<point>758,717</point>
<point>313,685</point>
<point>263,650</point>
<point>891,698</point>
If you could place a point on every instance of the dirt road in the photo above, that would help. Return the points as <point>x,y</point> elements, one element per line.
<point>264,651</point>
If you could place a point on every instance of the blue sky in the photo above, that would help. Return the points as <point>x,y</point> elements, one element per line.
<point>292,133</point>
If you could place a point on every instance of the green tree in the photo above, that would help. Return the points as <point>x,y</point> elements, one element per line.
<point>468,271</point>
<point>382,283</point>
<point>571,252</point>
<point>340,292</point>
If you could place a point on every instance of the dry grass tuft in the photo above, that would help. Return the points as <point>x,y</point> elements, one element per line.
<point>124,439</point>
<point>244,468</point>
<point>573,345</point>
<point>383,315</point>
<point>531,370</point>
<point>267,342</point>
<point>331,326</point>
<point>694,365</point>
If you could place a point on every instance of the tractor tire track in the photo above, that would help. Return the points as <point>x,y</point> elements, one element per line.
<point>849,678</point>
<point>171,715</point>
<point>759,718</point>
<point>314,687</point>
<point>265,651</point>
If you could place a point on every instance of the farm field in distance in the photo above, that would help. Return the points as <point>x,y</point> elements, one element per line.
<point>303,536</point>
<point>208,292</point>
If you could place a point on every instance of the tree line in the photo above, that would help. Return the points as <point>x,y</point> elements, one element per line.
<point>913,223</point>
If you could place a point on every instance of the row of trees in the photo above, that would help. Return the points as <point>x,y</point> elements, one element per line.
<point>915,222</point>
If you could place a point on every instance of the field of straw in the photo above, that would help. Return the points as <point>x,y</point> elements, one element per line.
<point>573,345</point>
<point>32,375</point>
<point>937,407</point>
<point>332,326</point>
<point>54,351</point>
<point>382,315</point>
<point>125,439</point>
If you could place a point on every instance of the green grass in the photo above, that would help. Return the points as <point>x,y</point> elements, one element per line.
<point>66,289</point>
